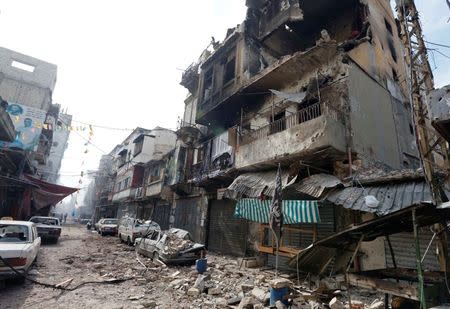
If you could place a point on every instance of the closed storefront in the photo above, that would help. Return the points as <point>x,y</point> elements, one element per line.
<point>189,216</point>
<point>161,215</point>
<point>226,234</point>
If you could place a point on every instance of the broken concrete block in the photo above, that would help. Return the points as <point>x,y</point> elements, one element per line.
<point>214,291</point>
<point>136,297</point>
<point>260,294</point>
<point>200,283</point>
<point>141,280</point>
<point>377,305</point>
<point>234,301</point>
<point>258,306</point>
<point>246,303</point>
<point>177,282</point>
<point>336,304</point>
<point>246,287</point>
<point>193,292</point>
<point>149,304</point>
<point>280,305</point>
<point>280,283</point>
<point>221,302</point>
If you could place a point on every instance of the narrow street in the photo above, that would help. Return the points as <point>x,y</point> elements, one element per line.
<point>86,256</point>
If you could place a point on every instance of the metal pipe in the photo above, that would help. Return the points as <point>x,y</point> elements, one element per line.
<point>423,304</point>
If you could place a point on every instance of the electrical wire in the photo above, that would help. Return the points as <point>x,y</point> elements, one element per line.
<point>58,287</point>
<point>437,44</point>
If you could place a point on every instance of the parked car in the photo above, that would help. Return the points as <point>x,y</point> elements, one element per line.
<point>174,246</point>
<point>19,247</point>
<point>97,224</point>
<point>108,226</point>
<point>131,228</point>
<point>48,228</point>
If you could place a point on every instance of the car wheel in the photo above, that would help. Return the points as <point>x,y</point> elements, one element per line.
<point>155,256</point>
<point>129,241</point>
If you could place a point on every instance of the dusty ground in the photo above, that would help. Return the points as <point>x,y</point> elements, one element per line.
<point>85,256</point>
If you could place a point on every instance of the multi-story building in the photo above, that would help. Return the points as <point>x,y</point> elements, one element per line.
<point>26,87</point>
<point>140,147</point>
<point>318,88</point>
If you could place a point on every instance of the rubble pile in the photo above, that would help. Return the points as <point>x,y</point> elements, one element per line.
<point>226,284</point>
<point>175,244</point>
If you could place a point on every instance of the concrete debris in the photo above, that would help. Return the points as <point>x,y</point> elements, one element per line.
<point>377,305</point>
<point>280,305</point>
<point>214,291</point>
<point>336,304</point>
<point>193,292</point>
<point>260,294</point>
<point>247,287</point>
<point>280,283</point>
<point>247,303</point>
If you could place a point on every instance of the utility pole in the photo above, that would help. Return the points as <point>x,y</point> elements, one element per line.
<point>432,147</point>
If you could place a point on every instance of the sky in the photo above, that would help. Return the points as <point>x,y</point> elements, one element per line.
<point>120,61</point>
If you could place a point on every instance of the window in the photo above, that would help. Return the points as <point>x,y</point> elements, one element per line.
<point>23,66</point>
<point>230,71</point>
<point>126,183</point>
<point>138,147</point>
<point>207,84</point>
<point>154,174</point>
<point>220,145</point>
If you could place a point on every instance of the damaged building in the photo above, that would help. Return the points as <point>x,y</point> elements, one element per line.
<point>318,87</point>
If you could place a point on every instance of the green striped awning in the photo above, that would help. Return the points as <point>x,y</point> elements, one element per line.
<point>294,211</point>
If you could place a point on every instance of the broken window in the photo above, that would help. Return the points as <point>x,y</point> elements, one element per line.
<point>230,71</point>
<point>154,175</point>
<point>207,85</point>
<point>138,147</point>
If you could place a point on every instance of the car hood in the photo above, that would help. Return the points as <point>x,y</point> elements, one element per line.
<point>9,250</point>
<point>109,225</point>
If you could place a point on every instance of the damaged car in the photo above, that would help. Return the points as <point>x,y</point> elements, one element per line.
<point>19,247</point>
<point>174,247</point>
<point>48,228</point>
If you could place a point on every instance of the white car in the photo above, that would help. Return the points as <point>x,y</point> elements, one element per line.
<point>130,229</point>
<point>19,247</point>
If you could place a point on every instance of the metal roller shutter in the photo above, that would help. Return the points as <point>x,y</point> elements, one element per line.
<point>188,216</point>
<point>226,234</point>
<point>161,215</point>
<point>405,252</point>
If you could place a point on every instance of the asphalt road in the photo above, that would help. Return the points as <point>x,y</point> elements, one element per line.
<point>84,256</point>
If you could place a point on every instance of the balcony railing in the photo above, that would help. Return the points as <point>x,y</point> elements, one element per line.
<point>303,115</point>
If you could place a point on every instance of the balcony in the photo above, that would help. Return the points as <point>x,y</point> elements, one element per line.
<point>7,132</point>
<point>221,109</point>
<point>315,133</point>
<point>154,188</point>
<point>303,115</point>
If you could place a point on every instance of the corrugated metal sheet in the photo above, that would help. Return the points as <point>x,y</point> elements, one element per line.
<point>226,234</point>
<point>315,185</point>
<point>392,197</point>
<point>405,252</point>
<point>255,184</point>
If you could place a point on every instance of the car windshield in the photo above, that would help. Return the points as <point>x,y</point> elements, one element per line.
<point>112,221</point>
<point>13,233</point>
<point>48,221</point>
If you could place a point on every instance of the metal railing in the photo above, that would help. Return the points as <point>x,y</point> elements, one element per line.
<point>303,115</point>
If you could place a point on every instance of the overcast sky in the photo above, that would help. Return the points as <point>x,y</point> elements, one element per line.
<point>120,61</point>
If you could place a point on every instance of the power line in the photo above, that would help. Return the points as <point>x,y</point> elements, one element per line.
<point>437,44</point>
<point>102,127</point>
